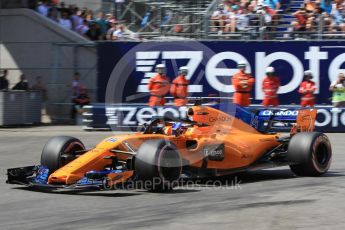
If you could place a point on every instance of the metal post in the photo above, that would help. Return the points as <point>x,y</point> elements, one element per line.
<point>320,27</point>
<point>262,29</point>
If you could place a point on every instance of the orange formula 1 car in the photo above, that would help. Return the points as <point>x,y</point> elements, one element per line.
<point>209,142</point>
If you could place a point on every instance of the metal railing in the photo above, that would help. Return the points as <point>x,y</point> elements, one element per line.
<point>281,27</point>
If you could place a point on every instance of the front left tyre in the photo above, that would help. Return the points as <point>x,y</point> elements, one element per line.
<point>158,165</point>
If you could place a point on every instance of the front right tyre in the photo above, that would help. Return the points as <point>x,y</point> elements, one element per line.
<point>310,154</point>
<point>59,151</point>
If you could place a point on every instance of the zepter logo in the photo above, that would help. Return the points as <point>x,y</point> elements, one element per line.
<point>143,58</point>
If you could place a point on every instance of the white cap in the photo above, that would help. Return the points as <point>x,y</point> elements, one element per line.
<point>184,68</point>
<point>242,63</point>
<point>160,66</point>
<point>308,73</point>
<point>270,69</point>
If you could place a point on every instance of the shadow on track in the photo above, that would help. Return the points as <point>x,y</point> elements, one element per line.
<point>188,185</point>
<point>85,192</point>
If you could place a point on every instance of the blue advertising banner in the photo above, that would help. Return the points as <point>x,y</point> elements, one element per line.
<point>126,67</point>
<point>129,116</point>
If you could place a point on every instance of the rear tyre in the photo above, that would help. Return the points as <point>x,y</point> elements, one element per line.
<point>310,154</point>
<point>158,165</point>
<point>59,151</point>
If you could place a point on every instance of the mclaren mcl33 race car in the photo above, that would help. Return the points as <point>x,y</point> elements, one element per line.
<point>208,142</point>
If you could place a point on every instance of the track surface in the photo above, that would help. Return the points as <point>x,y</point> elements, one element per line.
<point>267,199</point>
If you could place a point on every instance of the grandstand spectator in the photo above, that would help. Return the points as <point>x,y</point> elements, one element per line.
<point>22,84</point>
<point>63,9</point>
<point>300,22</point>
<point>254,21</point>
<point>218,18</point>
<point>309,6</point>
<point>242,22</point>
<point>230,19</point>
<point>43,8</point>
<point>4,81</point>
<point>102,24</point>
<point>273,5</point>
<point>326,5</point>
<point>89,16</point>
<point>119,33</point>
<point>64,21</point>
<point>338,18</point>
<point>94,33</point>
<point>76,18</point>
<point>112,29</point>
<point>338,89</point>
<point>83,28</point>
<point>318,10</point>
<point>53,13</point>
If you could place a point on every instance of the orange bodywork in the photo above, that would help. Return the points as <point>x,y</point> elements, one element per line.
<point>243,145</point>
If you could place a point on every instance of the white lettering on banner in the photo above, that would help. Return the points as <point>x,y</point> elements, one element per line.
<point>342,118</point>
<point>334,68</point>
<point>267,113</point>
<point>146,60</point>
<point>212,72</point>
<point>327,119</point>
<point>335,114</point>
<point>144,115</point>
<point>162,111</point>
<point>263,61</point>
<point>194,57</point>
<point>111,115</point>
<point>132,116</point>
<point>314,56</point>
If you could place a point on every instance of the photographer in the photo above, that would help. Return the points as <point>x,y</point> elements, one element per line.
<point>338,89</point>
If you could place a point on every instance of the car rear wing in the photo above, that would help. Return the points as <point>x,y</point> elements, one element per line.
<point>278,120</point>
<point>297,120</point>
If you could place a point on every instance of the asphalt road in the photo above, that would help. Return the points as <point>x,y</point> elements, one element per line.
<point>267,199</point>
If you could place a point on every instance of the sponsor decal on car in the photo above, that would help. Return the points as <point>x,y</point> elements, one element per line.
<point>111,140</point>
<point>214,152</point>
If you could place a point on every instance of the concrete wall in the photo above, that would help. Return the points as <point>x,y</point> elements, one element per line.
<point>36,46</point>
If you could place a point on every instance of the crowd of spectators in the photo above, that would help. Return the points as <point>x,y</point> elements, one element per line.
<point>83,20</point>
<point>231,17</point>
<point>327,16</point>
<point>243,15</point>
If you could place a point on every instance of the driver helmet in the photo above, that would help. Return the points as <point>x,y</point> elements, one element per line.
<point>176,128</point>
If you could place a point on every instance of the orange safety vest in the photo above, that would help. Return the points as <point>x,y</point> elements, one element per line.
<point>307,89</point>
<point>179,90</point>
<point>270,86</point>
<point>243,84</point>
<point>158,86</point>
